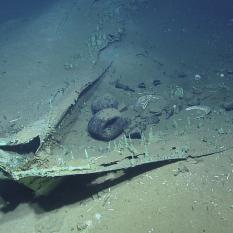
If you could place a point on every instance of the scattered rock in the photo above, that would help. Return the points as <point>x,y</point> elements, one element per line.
<point>156,107</point>
<point>141,85</point>
<point>123,107</point>
<point>151,119</point>
<point>169,111</point>
<point>136,133</point>
<point>106,124</point>
<point>181,169</point>
<point>221,131</point>
<point>139,123</point>
<point>156,82</point>
<point>230,72</point>
<point>102,102</point>
<point>135,130</point>
<point>228,106</point>
<point>182,75</point>
<point>193,101</point>
<point>197,90</point>
<point>136,127</point>
<point>68,66</point>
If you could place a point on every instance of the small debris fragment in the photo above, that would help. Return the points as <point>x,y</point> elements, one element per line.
<point>228,106</point>
<point>181,169</point>
<point>156,82</point>
<point>122,86</point>
<point>68,66</point>
<point>197,77</point>
<point>205,109</point>
<point>141,85</point>
<point>98,216</point>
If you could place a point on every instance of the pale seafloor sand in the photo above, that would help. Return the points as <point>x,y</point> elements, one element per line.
<point>161,41</point>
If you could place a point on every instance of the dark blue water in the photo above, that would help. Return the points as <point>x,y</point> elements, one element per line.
<point>24,9</point>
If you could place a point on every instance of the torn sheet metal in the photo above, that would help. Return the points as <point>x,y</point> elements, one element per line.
<point>40,170</point>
